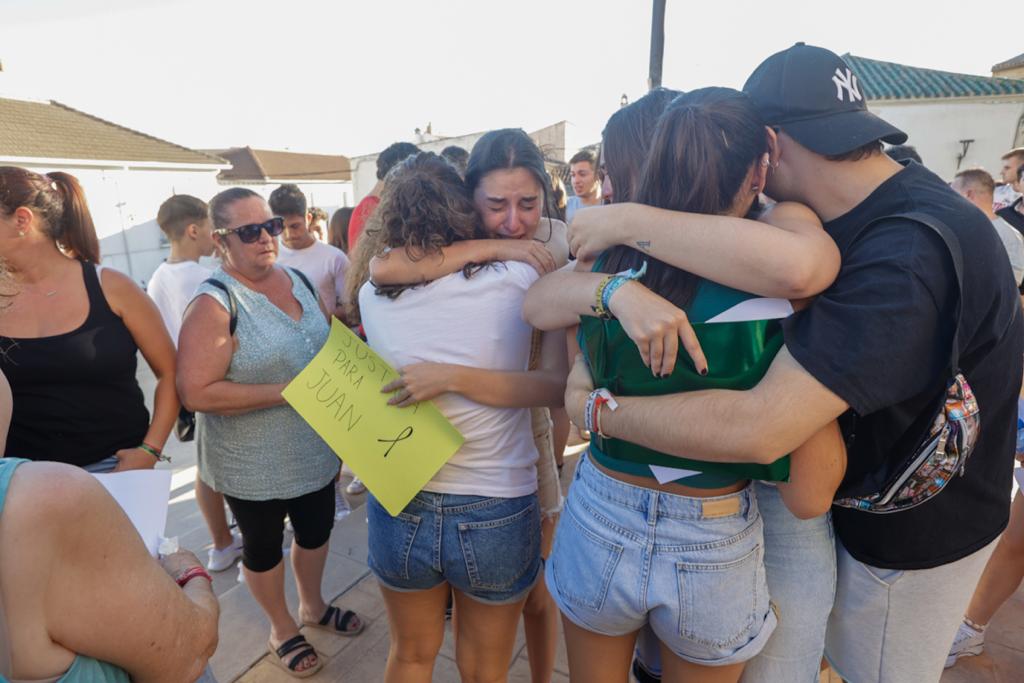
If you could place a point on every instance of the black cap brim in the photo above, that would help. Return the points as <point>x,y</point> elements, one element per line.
<point>842,132</point>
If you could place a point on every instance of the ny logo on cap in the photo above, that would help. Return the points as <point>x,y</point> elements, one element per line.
<point>847,82</point>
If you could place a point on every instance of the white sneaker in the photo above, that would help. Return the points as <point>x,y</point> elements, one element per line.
<point>968,642</point>
<point>219,560</point>
<point>341,506</point>
<point>355,487</point>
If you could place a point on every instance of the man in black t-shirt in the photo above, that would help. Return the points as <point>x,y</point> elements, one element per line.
<point>873,350</point>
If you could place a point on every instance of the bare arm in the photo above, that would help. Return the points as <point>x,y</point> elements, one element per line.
<point>816,469</point>
<point>97,590</point>
<point>142,318</point>
<point>760,425</point>
<point>544,387</point>
<point>204,356</point>
<point>397,267</point>
<point>785,254</point>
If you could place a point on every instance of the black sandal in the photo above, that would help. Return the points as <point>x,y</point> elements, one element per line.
<point>335,621</point>
<point>305,650</point>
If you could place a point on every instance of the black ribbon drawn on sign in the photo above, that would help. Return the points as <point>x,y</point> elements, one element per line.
<point>402,436</point>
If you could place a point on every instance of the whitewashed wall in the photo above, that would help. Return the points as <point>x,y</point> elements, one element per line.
<point>935,129</point>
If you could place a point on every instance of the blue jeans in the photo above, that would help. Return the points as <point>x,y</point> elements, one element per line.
<point>692,568</point>
<point>486,548</point>
<point>800,560</point>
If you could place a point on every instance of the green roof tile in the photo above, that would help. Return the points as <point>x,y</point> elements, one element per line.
<point>889,81</point>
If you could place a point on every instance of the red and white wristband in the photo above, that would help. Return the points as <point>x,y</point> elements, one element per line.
<point>193,573</point>
<point>592,409</point>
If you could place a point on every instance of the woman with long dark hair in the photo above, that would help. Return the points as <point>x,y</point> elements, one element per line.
<point>702,533</point>
<point>71,335</point>
<point>509,183</point>
<point>474,530</point>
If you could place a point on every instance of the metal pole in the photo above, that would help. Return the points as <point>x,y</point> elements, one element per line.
<point>657,44</point>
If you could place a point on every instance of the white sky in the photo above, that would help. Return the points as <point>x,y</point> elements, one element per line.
<point>336,76</point>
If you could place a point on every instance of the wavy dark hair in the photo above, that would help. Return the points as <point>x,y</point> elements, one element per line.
<point>424,207</point>
<point>703,148</point>
<point>626,139</point>
<point>506,149</point>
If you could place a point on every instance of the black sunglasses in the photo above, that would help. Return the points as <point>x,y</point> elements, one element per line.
<point>251,233</point>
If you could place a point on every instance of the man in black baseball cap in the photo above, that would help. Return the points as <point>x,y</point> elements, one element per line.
<point>874,351</point>
<point>878,341</point>
<point>813,95</point>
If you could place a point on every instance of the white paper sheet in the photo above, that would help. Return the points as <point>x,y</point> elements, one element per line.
<point>144,496</point>
<point>1019,475</point>
<point>666,474</point>
<point>755,309</point>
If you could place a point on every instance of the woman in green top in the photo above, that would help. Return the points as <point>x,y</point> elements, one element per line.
<point>696,544</point>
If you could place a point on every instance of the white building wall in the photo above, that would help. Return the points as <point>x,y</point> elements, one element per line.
<point>325,195</point>
<point>936,127</point>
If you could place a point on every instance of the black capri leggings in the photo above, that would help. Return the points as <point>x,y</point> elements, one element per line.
<point>262,525</point>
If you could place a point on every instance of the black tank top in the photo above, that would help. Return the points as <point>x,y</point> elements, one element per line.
<point>76,398</point>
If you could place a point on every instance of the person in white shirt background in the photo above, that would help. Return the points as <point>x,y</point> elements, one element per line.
<point>323,264</point>
<point>586,185</point>
<point>185,221</point>
<point>977,186</point>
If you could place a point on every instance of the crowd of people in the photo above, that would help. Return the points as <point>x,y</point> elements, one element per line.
<point>797,361</point>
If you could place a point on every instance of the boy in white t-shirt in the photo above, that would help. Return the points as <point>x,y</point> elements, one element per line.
<point>323,264</point>
<point>186,222</point>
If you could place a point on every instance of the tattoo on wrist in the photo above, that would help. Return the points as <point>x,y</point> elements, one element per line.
<point>644,245</point>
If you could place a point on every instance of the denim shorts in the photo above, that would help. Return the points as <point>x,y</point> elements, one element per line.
<point>691,568</point>
<point>486,548</point>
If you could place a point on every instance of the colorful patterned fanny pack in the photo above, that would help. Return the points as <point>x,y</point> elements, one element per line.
<point>942,455</point>
<point>948,443</point>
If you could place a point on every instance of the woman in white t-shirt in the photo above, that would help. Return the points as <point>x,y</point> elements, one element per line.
<point>474,530</point>
<point>510,187</point>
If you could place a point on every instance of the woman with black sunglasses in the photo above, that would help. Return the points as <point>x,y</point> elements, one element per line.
<point>250,329</point>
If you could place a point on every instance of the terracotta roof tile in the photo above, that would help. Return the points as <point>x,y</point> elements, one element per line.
<point>55,131</point>
<point>262,164</point>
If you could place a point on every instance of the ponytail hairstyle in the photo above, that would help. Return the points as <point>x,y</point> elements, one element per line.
<point>425,207</point>
<point>59,202</point>
<point>703,147</point>
<point>504,150</point>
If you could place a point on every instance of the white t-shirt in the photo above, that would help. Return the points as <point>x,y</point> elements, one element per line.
<point>476,322</point>
<point>324,265</point>
<point>1014,244</point>
<point>172,287</point>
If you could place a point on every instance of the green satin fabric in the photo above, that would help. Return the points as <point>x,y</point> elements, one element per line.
<point>738,356</point>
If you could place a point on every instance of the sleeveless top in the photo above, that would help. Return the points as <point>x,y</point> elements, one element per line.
<point>738,354</point>
<point>271,453</point>
<point>76,398</point>
<point>83,669</point>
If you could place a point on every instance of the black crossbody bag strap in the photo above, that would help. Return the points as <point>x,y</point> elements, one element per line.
<point>305,280</point>
<point>232,306</point>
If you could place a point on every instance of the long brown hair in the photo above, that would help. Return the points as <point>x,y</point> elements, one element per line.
<point>703,148</point>
<point>59,202</point>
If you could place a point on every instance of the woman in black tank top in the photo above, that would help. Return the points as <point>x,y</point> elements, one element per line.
<point>70,335</point>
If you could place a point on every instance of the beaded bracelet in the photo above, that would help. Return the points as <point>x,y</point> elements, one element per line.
<point>599,307</point>
<point>160,457</point>
<point>617,281</point>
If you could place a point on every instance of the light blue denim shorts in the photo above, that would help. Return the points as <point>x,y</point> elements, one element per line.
<point>487,548</point>
<point>692,568</point>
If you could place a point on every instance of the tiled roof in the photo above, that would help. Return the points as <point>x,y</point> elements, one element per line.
<point>889,81</point>
<point>52,130</point>
<point>1009,63</point>
<point>262,164</point>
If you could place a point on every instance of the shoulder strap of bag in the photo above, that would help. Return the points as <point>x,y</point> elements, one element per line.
<point>952,243</point>
<point>232,307</point>
<point>305,280</point>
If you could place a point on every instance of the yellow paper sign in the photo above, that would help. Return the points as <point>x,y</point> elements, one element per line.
<point>395,451</point>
